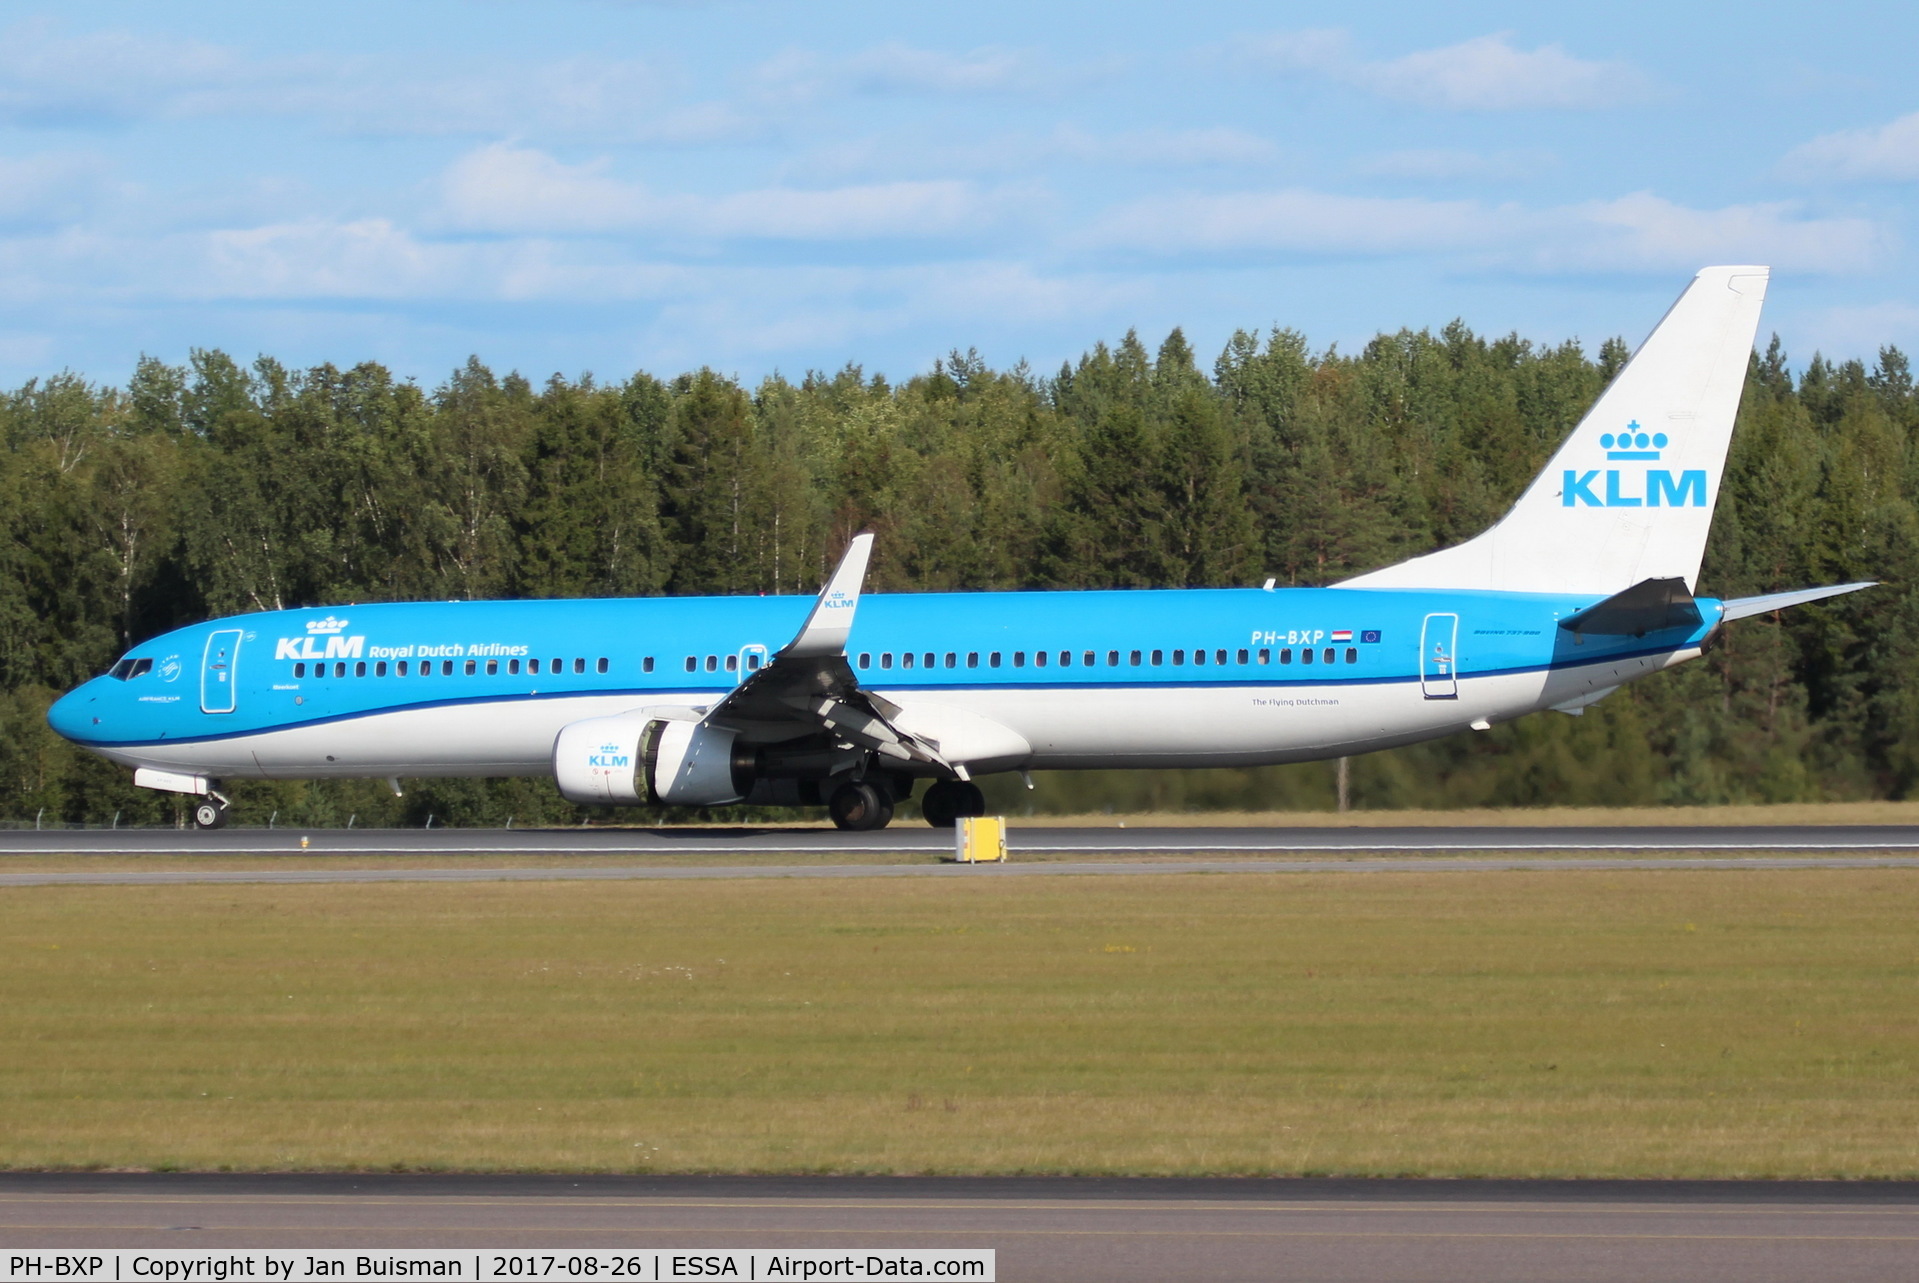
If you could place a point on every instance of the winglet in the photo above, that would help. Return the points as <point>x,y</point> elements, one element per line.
<point>826,629</point>
<point>1747,607</point>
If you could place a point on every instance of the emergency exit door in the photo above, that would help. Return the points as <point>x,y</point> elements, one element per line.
<point>1438,649</point>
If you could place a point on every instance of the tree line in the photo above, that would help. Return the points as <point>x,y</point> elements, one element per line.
<point>214,487</point>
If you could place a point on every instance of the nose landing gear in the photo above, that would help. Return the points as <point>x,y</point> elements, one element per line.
<point>210,812</point>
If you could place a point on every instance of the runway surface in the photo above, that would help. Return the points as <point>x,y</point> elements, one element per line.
<point>1061,1231</point>
<point>671,853</point>
<point>914,839</point>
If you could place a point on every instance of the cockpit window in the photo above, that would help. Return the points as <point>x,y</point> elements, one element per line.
<point>129,668</point>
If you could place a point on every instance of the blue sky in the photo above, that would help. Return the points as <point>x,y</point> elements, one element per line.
<point>579,185</point>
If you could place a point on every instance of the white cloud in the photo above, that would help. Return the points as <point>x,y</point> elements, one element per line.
<point>1299,221</point>
<point>1146,149</point>
<point>49,189</point>
<point>49,77</point>
<point>1639,232</point>
<point>1887,152</point>
<point>803,76</point>
<point>1861,330</point>
<point>1486,73</point>
<point>1447,165</point>
<point>503,188</point>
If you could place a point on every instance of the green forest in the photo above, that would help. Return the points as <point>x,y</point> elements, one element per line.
<point>216,487</point>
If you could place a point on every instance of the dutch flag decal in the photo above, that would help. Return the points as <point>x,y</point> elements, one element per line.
<point>1342,634</point>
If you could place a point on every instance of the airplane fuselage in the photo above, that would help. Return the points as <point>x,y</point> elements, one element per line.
<point>1026,680</point>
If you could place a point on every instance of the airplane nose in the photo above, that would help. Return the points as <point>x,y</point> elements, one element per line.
<point>72,714</point>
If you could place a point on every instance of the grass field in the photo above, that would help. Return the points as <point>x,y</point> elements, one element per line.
<point>1589,1023</point>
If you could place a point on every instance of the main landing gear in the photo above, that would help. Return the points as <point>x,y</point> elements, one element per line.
<point>210,812</point>
<point>861,805</point>
<point>947,801</point>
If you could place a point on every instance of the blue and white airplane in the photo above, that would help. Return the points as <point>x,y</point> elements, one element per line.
<point>1585,585</point>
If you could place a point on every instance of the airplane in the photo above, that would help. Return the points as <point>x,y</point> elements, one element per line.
<point>852,700</point>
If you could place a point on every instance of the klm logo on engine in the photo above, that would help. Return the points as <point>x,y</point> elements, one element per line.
<point>609,756</point>
<point>1633,487</point>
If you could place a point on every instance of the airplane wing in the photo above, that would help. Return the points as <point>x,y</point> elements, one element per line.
<point>809,688</point>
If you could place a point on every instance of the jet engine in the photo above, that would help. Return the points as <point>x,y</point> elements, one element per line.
<point>635,758</point>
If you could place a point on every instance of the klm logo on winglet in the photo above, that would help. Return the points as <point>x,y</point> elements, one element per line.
<point>1655,487</point>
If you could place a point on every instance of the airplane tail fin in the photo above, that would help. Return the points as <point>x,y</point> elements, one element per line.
<point>1629,496</point>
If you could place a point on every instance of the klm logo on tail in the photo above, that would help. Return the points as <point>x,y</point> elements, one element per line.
<point>1656,487</point>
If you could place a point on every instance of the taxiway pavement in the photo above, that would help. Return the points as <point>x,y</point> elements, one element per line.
<point>1059,1230</point>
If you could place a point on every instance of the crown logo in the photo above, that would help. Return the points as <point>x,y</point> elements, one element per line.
<point>1634,443</point>
<point>325,627</point>
<point>609,748</point>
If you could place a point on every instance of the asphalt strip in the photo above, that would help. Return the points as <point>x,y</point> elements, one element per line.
<point>1089,868</point>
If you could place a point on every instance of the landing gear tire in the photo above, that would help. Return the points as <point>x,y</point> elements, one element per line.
<point>949,800</point>
<point>209,813</point>
<point>860,807</point>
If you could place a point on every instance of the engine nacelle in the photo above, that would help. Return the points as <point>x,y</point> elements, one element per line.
<point>601,761</point>
<point>692,764</point>
<point>633,758</point>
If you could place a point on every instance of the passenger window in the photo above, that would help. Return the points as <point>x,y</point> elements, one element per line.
<point>1352,654</point>
<point>712,664</point>
<point>952,659</point>
<point>1329,655</point>
<point>692,664</point>
<point>886,659</point>
<point>379,669</point>
<point>1019,659</point>
<point>401,668</point>
<point>1219,657</point>
<point>1243,656</point>
<point>446,668</point>
<point>992,660</point>
<point>579,665</point>
<point>930,657</point>
<point>972,659</point>
<point>1089,659</point>
<point>558,666</point>
<point>492,668</point>
<point>1265,656</point>
<point>1135,659</point>
<point>732,663</point>
<point>1112,659</point>
<point>1179,657</point>
<point>1039,659</point>
<point>1306,655</point>
<point>339,669</point>
<point>472,667</point>
<point>906,659</point>
<point>359,669</point>
<point>1199,657</point>
<point>866,659</point>
<point>646,665</point>
<point>1066,659</point>
<point>1159,657</point>
<point>753,662</point>
<point>1286,656</point>
<point>513,667</point>
<point>299,670</point>
<point>532,665</point>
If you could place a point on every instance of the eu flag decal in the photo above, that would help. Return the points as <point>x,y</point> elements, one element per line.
<point>1369,635</point>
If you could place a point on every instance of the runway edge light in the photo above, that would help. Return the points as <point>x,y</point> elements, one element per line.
<point>980,839</point>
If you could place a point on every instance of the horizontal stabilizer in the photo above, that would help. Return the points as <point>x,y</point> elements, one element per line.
<point>1649,606</point>
<point>1746,607</point>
